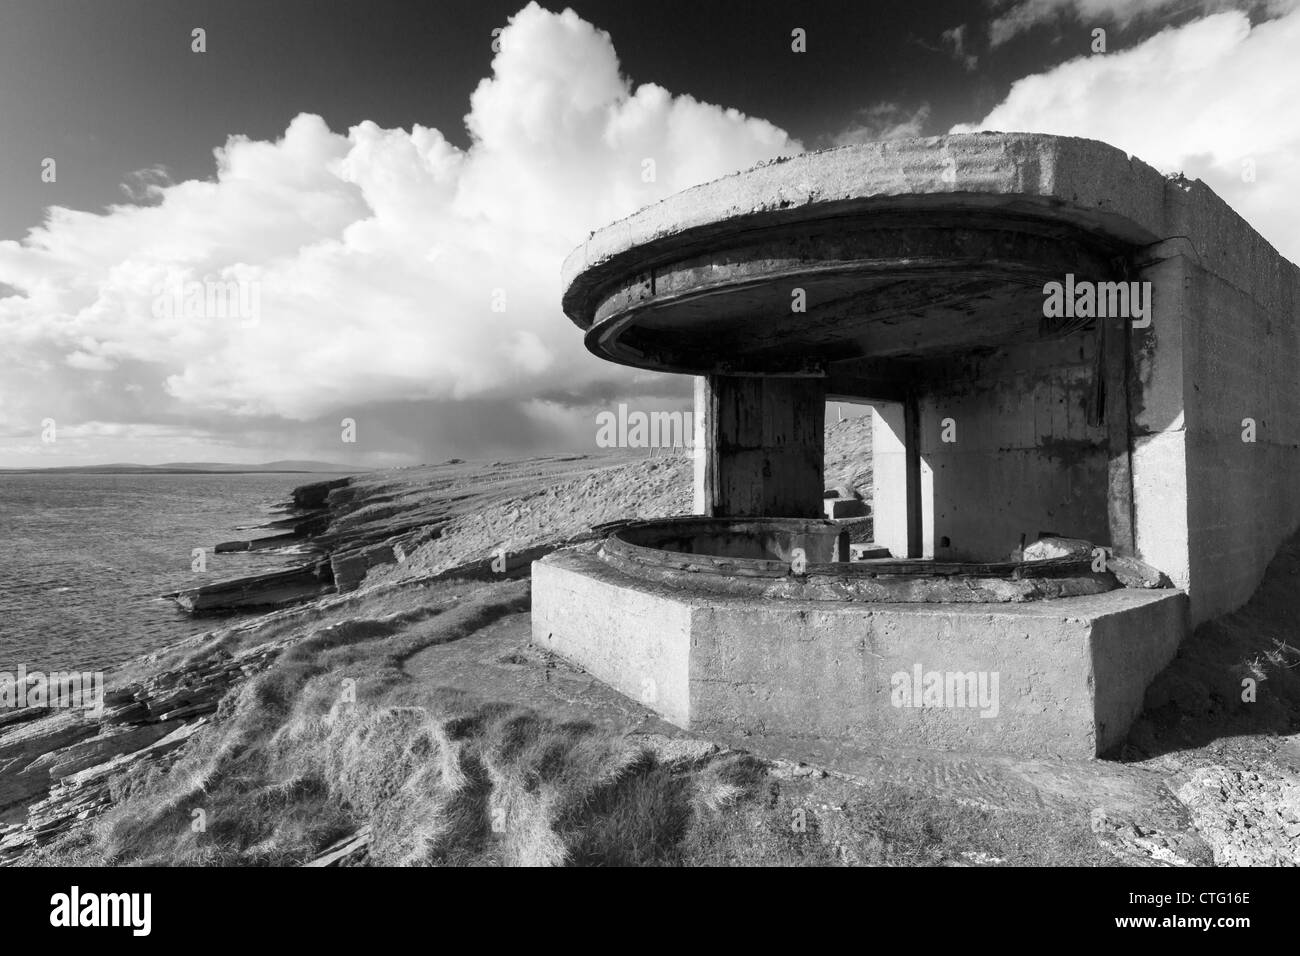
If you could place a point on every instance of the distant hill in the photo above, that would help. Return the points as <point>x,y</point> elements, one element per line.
<point>193,468</point>
<point>282,465</point>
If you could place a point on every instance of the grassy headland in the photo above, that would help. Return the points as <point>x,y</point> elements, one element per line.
<point>410,721</point>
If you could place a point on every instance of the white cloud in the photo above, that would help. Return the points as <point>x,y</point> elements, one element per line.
<point>1204,99</point>
<point>883,121</point>
<point>956,43</point>
<point>377,255</point>
<point>1018,16</point>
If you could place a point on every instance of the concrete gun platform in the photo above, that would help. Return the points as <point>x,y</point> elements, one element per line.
<point>915,277</point>
<point>1057,677</point>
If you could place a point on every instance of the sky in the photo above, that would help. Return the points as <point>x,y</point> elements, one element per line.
<point>392,188</point>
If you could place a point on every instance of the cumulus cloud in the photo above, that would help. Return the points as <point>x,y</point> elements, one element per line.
<point>1017,16</point>
<point>883,121</point>
<point>386,266</point>
<point>1212,99</point>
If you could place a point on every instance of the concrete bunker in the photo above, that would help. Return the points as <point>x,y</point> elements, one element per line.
<point>915,277</point>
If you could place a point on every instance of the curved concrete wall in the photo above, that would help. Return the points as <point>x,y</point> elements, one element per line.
<point>1222,345</point>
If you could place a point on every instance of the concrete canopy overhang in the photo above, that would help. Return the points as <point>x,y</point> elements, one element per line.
<point>900,250</point>
<point>912,257</point>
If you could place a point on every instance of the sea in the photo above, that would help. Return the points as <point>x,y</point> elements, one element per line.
<point>86,558</point>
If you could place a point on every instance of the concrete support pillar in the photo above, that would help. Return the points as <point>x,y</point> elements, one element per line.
<point>889,477</point>
<point>1112,342</point>
<point>760,446</point>
<point>699,444</point>
<point>916,515</point>
<point>1157,423</point>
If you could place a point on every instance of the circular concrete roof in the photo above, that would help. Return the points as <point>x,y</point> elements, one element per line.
<point>898,249</point>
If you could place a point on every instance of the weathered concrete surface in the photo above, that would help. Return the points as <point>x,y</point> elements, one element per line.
<point>1060,677</point>
<point>754,557</point>
<point>1087,183</point>
<point>1193,468</point>
<point>1241,349</point>
<point>1157,436</point>
<point>889,484</point>
<point>498,662</point>
<point>763,445</point>
<point>1009,449</point>
<point>635,639</point>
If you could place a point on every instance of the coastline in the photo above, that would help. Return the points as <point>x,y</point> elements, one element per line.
<point>401,713</point>
<point>57,768</point>
<point>87,559</point>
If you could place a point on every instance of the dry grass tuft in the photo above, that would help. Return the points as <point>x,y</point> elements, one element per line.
<point>335,738</point>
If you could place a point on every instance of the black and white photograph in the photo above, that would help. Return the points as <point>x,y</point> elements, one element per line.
<point>476,434</point>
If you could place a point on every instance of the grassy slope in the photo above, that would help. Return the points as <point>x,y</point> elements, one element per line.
<point>431,774</point>
<point>438,776</point>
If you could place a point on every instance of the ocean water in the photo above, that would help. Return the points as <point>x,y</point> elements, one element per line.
<point>85,558</point>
